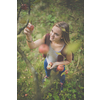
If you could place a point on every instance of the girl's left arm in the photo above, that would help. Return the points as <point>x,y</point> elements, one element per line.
<point>68,61</point>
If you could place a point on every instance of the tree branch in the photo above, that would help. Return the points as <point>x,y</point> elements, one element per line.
<point>29,7</point>
<point>35,74</point>
<point>18,14</point>
<point>22,28</point>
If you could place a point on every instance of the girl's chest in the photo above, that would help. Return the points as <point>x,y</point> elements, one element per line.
<point>57,47</point>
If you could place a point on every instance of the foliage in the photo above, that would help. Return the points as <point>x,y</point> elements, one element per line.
<point>43,19</point>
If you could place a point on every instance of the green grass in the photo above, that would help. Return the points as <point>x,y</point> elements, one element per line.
<point>43,16</point>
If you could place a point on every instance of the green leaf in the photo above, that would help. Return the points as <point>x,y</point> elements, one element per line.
<point>72,47</point>
<point>50,94</point>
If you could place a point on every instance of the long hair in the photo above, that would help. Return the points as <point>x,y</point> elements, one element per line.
<point>65,31</point>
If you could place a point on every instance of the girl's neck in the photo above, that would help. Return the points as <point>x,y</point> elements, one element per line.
<point>58,42</point>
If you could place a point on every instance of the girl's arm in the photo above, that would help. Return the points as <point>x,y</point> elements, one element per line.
<point>32,44</point>
<point>69,59</point>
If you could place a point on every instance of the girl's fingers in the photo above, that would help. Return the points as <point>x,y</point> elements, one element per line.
<point>51,68</point>
<point>27,29</point>
<point>29,24</point>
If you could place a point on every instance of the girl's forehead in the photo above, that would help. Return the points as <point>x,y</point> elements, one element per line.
<point>56,29</point>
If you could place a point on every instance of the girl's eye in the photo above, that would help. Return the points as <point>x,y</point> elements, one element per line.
<point>56,34</point>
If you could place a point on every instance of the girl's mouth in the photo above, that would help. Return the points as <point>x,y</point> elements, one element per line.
<point>51,38</point>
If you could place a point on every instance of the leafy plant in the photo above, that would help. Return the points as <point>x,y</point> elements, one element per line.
<point>51,20</point>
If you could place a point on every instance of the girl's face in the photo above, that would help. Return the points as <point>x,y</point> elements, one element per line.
<point>55,34</point>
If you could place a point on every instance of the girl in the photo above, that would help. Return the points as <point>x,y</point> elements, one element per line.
<point>57,40</point>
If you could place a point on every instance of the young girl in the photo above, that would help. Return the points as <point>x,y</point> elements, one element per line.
<point>57,40</point>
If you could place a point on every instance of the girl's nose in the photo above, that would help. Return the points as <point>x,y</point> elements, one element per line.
<point>52,34</point>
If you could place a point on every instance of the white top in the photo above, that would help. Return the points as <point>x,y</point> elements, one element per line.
<point>52,55</point>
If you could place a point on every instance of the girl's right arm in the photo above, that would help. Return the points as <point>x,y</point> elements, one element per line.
<point>32,44</point>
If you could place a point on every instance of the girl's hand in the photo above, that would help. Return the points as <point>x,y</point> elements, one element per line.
<point>27,31</point>
<point>54,65</point>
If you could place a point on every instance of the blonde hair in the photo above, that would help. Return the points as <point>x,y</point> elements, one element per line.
<point>65,31</point>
